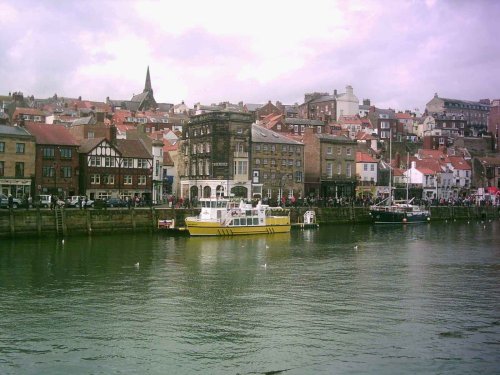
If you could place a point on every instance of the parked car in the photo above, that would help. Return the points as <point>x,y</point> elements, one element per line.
<point>73,201</point>
<point>45,200</point>
<point>4,202</point>
<point>116,202</point>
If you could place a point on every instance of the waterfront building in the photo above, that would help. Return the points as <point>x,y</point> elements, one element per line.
<point>494,122</point>
<point>17,161</point>
<point>330,165</point>
<point>56,162</point>
<point>277,166</point>
<point>486,171</point>
<point>366,169</point>
<point>462,174</point>
<point>266,110</point>
<point>474,112</point>
<point>115,168</point>
<point>215,151</point>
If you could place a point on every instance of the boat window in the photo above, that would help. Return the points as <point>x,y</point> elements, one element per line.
<point>261,220</point>
<point>255,221</point>
<point>248,212</point>
<point>213,204</point>
<point>236,221</point>
<point>203,204</point>
<point>243,221</point>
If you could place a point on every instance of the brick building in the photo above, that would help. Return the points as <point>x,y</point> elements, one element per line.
<point>330,165</point>
<point>17,161</point>
<point>56,162</point>
<point>277,165</point>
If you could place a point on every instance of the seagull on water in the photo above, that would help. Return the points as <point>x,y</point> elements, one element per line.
<point>136,265</point>
<point>356,247</point>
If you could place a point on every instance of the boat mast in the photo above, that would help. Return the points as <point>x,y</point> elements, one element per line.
<point>409,174</point>
<point>390,167</point>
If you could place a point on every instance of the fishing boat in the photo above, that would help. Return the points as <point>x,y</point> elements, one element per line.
<point>402,211</point>
<point>224,217</point>
<point>399,211</point>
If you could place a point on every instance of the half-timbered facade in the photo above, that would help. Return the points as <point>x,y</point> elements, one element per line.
<point>115,169</point>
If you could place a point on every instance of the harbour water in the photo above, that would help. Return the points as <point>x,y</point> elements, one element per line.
<point>341,299</point>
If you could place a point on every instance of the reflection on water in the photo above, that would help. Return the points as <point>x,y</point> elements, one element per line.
<point>377,299</point>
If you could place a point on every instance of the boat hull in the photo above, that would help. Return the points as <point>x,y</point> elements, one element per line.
<point>208,228</point>
<point>391,217</point>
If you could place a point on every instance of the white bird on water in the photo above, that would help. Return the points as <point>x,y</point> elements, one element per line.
<point>267,246</point>
<point>136,265</point>
<point>356,247</point>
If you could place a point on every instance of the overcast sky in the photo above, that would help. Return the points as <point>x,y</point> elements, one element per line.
<point>397,53</point>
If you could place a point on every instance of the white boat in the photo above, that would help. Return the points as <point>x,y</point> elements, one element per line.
<point>224,217</point>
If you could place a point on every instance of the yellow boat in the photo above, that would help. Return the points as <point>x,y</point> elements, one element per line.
<point>222,217</point>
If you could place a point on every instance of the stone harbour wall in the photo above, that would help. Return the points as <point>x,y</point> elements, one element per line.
<point>42,222</point>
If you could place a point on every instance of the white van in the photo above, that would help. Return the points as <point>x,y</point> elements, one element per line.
<point>45,201</point>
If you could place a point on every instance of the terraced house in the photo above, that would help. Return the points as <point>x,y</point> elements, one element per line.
<point>330,165</point>
<point>17,161</point>
<point>277,166</point>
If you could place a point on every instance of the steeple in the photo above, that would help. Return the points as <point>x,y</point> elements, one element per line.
<point>147,86</point>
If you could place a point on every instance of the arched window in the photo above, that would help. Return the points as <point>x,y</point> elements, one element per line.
<point>207,191</point>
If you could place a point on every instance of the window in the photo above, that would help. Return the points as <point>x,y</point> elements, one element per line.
<point>127,180</point>
<point>257,147</point>
<point>264,147</point>
<point>348,169</point>
<point>290,162</point>
<point>372,167</point>
<point>109,161</point>
<point>66,172</point>
<point>283,162</point>
<point>2,146</point>
<point>339,169</point>
<point>193,150</point>
<point>207,168</point>
<point>339,151</point>
<point>143,163</point>
<point>95,179</point>
<point>329,150</point>
<point>278,127</point>
<point>66,153</point>
<point>257,161</point>
<point>207,147</point>
<point>48,152</point>
<point>95,161</point>
<point>264,161</point>
<point>273,162</point>
<point>90,135</point>
<point>142,180</point>
<point>298,176</point>
<point>348,151</point>
<point>298,163</point>
<point>329,169</point>
<point>108,179</point>
<point>2,168</point>
<point>19,148</point>
<point>318,129</point>
<point>295,128</point>
<point>128,163</point>
<point>19,169</point>
<point>48,171</point>
<point>273,148</point>
<point>241,167</point>
<point>365,167</point>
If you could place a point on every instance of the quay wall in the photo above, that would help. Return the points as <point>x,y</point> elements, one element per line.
<point>42,222</point>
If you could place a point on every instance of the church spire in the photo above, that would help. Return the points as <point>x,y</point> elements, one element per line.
<point>147,86</point>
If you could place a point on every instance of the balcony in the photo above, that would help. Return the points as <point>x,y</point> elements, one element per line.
<point>240,154</point>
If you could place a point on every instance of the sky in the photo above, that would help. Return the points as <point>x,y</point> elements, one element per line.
<point>397,53</point>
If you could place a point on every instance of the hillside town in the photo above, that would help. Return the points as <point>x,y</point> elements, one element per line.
<point>331,149</point>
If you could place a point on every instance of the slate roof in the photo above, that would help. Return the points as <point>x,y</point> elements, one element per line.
<point>253,107</point>
<point>47,134</point>
<point>139,97</point>
<point>132,148</point>
<point>14,131</point>
<point>302,121</point>
<point>261,134</point>
<point>84,121</point>
<point>329,137</point>
<point>324,98</point>
<point>87,145</point>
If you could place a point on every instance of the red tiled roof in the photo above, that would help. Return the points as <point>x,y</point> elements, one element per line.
<point>431,154</point>
<point>28,111</point>
<point>426,170</point>
<point>47,134</point>
<point>403,116</point>
<point>362,136</point>
<point>459,163</point>
<point>362,157</point>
